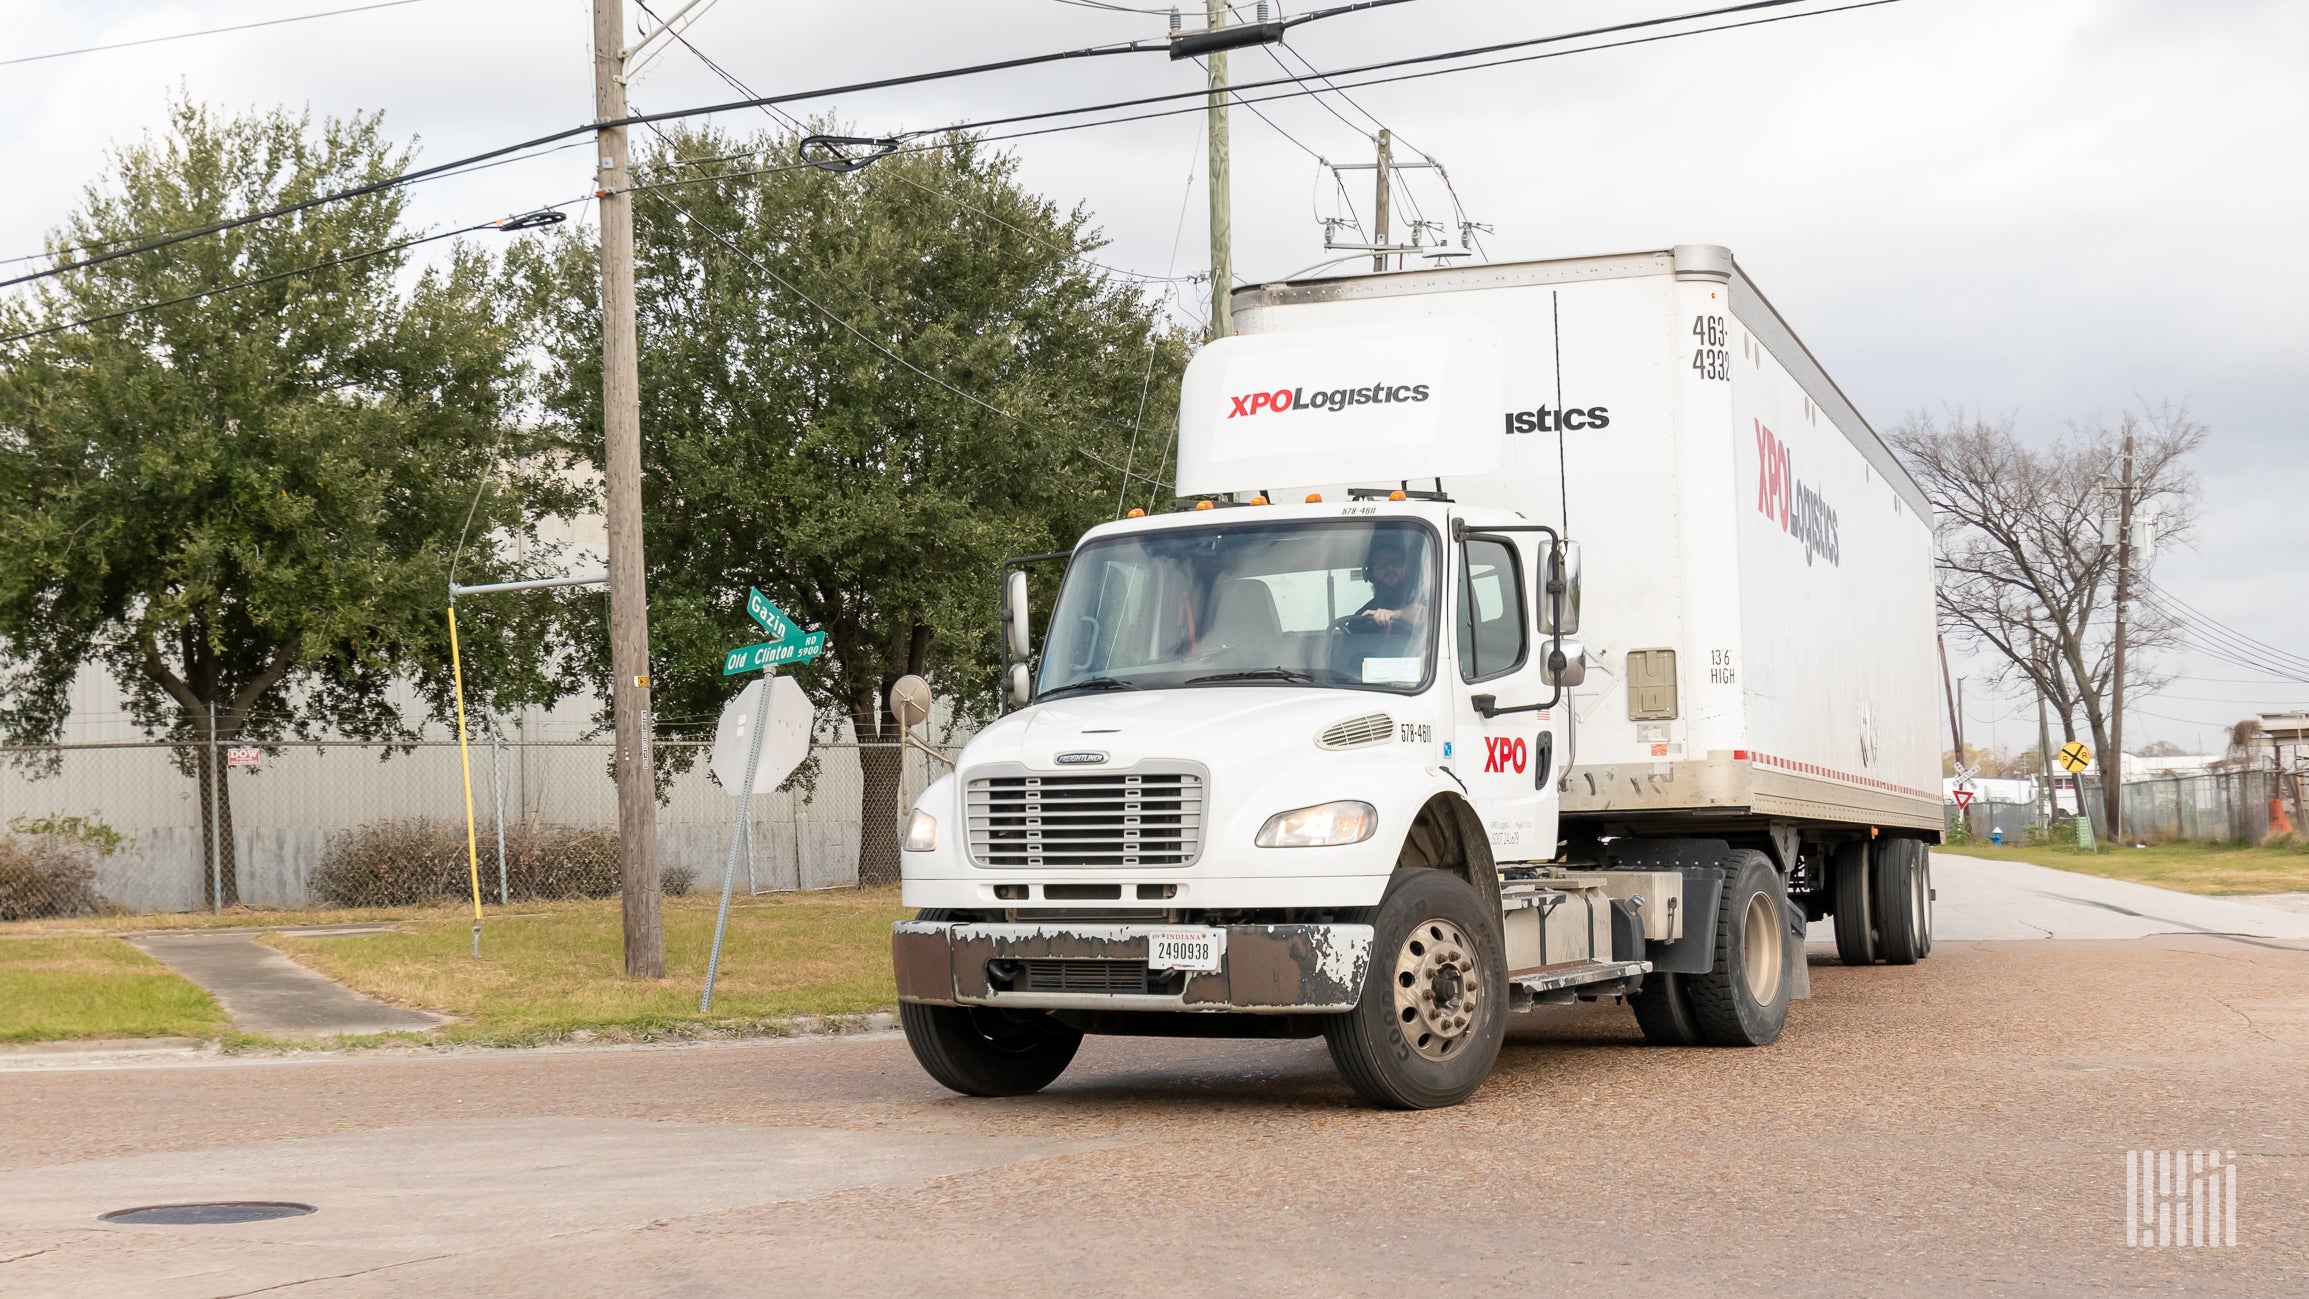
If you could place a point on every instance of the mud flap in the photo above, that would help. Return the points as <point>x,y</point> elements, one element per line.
<point>1695,952</point>
<point>1799,964</point>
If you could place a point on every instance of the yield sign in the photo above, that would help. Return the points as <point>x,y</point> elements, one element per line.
<point>1963,799</point>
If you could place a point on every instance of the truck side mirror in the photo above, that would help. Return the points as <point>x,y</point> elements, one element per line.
<point>1014,615</point>
<point>1020,686</point>
<point>1565,663</point>
<point>1559,587</point>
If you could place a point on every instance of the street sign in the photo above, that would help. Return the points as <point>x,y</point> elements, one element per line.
<point>2075,757</point>
<point>785,736</point>
<point>1963,798</point>
<point>769,617</point>
<point>769,654</point>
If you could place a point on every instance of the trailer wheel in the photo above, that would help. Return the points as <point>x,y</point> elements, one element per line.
<point>1743,1000</point>
<point>1855,912</point>
<point>981,1051</point>
<point>1664,1013</point>
<point>1427,1028</point>
<point>1903,905</point>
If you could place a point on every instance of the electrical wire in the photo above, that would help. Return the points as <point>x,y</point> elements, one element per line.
<point>254,281</point>
<point>212,31</point>
<point>1005,65</point>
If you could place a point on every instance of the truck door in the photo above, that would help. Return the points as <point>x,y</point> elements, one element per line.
<point>1505,760</point>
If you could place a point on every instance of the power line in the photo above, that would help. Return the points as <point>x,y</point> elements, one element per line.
<point>254,281</point>
<point>212,31</point>
<point>998,66</point>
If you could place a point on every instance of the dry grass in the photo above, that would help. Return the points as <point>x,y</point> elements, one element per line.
<point>549,970</point>
<point>2185,867</point>
<point>234,918</point>
<point>85,987</point>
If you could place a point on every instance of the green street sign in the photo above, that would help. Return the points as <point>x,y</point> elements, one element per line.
<point>769,654</point>
<point>769,617</point>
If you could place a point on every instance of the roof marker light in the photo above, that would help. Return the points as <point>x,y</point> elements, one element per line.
<point>1314,498</point>
<point>1135,513</point>
<point>1202,505</point>
<point>1397,496</point>
<point>1258,500</point>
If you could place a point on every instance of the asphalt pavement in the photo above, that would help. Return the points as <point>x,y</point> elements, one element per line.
<point>1957,1127</point>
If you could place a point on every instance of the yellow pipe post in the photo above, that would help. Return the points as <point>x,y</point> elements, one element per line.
<point>465,756</point>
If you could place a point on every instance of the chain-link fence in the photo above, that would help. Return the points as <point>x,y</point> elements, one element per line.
<point>2214,807</point>
<point>161,827</point>
<point>2217,807</point>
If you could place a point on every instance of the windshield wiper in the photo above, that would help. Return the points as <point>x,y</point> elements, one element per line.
<point>1255,674</point>
<point>1093,683</point>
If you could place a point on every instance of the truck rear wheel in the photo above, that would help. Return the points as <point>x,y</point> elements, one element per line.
<point>981,1051</point>
<point>1664,1013</point>
<point>1743,1000</point>
<point>1427,1028</point>
<point>1855,911</point>
<point>1903,902</point>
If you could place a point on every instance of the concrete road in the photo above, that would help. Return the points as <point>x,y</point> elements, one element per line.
<point>1958,1127</point>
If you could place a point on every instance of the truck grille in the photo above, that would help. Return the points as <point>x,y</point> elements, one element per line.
<point>1123,818</point>
<point>1086,976</point>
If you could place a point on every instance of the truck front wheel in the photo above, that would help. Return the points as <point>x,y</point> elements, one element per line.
<point>1427,1028</point>
<point>1743,1000</point>
<point>980,1051</point>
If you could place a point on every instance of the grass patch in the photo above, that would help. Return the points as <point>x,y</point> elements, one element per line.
<point>2185,867</point>
<point>550,970</point>
<point>237,918</point>
<point>91,987</point>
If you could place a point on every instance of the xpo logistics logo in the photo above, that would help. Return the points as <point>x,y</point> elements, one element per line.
<point>1798,510</point>
<point>1284,400</point>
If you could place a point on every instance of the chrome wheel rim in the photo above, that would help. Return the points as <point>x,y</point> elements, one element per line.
<point>1761,948</point>
<point>1438,992</point>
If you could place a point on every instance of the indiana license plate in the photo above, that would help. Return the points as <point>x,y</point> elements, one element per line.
<point>1185,949</point>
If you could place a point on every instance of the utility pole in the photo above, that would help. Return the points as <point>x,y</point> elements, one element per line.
<point>621,431</point>
<point>1222,199</point>
<point>2043,664</point>
<point>1955,717</point>
<point>2113,762</point>
<point>1380,195</point>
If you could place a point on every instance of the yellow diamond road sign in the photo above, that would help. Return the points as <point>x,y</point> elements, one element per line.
<point>2075,756</point>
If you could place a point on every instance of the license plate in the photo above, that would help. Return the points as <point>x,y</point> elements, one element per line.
<point>1185,949</point>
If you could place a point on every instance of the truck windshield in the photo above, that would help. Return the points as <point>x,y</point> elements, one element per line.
<point>1348,604</point>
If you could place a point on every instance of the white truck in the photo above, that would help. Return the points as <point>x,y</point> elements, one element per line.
<point>1318,752</point>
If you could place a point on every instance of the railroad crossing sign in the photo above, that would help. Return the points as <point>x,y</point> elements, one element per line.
<point>1963,798</point>
<point>2075,757</point>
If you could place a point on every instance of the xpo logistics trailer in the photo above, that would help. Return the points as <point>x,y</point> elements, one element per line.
<point>1526,633</point>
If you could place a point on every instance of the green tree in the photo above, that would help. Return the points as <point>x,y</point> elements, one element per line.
<point>248,503</point>
<point>783,447</point>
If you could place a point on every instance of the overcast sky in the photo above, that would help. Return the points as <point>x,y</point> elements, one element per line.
<point>2049,211</point>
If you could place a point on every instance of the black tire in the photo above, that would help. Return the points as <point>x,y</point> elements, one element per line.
<point>1924,852</point>
<point>1664,1013</point>
<point>1425,918</point>
<point>1903,914</point>
<point>1743,1000</point>
<point>982,1051</point>
<point>1855,913</point>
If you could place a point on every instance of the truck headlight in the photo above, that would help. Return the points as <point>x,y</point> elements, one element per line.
<point>1326,825</point>
<point>922,832</point>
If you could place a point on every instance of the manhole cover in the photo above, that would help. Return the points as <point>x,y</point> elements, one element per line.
<point>178,1215</point>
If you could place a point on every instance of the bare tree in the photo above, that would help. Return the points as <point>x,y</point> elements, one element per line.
<point>2023,571</point>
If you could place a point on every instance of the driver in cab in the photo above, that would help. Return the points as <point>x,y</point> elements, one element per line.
<point>1398,589</point>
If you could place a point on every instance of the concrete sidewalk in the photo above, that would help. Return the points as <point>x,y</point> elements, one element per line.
<point>266,992</point>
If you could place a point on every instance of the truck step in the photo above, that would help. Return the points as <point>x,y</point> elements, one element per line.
<point>1571,974</point>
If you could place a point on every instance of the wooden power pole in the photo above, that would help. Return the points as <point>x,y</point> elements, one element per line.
<point>1222,199</point>
<point>2113,762</point>
<point>621,431</point>
<point>1380,195</point>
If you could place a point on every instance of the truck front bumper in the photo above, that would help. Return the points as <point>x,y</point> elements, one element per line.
<point>1063,965</point>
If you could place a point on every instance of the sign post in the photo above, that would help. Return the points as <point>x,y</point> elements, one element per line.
<point>790,644</point>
